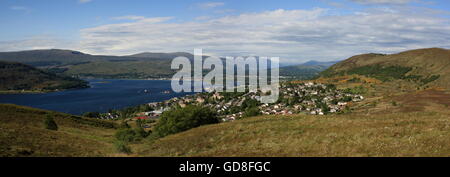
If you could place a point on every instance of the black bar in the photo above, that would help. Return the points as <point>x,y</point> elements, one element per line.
<point>221,166</point>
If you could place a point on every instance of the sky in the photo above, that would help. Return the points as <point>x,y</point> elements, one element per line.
<point>296,31</point>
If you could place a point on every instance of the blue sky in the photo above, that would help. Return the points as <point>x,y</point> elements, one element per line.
<point>294,30</point>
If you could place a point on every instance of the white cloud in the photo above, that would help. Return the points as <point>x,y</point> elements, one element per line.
<point>293,35</point>
<point>84,1</point>
<point>129,17</point>
<point>201,18</point>
<point>21,8</point>
<point>18,8</point>
<point>210,5</point>
<point>383,1</point>
<point>37,42</point>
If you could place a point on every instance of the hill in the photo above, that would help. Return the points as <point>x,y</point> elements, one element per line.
<point>168,56</point>
<point>393,134</point>
<point>23,134</point>
<point>306,70</point>
<point>17,76</point>
<point>137,66</point>
<point>416,126</point>
<point>424,67</point>
<point>321,63</point>
<point>70,62</point>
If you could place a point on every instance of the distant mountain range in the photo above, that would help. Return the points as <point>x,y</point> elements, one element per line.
<point>422,66</point>
<point>17,77</point>
<point>167,56</point>
<point>424,110</point>
<point>137,66</point>
<point>307,70</point>
<point>74,63</point>
<point>320,63</point>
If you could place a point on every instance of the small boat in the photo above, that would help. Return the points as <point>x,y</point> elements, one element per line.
<point>166,92</point>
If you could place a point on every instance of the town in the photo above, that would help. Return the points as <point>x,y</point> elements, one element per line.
<point>301,98</point>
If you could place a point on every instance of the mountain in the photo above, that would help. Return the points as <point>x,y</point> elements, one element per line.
<point>424,67</point>
<point>320,63</point>
<point>137,66</point>
<point>17,76</point>
<point>85,65</point>
<point>307,70</point>
<point>168,56</point>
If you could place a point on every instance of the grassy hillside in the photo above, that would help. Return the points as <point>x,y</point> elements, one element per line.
<point>22,133</point>
<point>402,124</point>
<point>17,76</point>
<point>423,66</point>
<point>394,119</point>
<point>398,124</point>
<point>394,134</point>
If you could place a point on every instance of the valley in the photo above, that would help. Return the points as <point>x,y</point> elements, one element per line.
<point>395,106</point>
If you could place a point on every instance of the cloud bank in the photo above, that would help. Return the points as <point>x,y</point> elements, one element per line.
<point>84,1</point>
<point>382,1</point>
<point>293,35</point>
<point>210,5</point>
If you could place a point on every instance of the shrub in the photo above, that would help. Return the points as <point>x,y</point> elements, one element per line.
<point>182,119</point>
<point>139,123</point>
<point>92,114</point>
<point>122,147</point>
<point>250,112</point>
<point>394,103</point>
<point>249,103</point>
<point>50,124</point>
<point>141,133</point>
<point>127,135</point>
<point>356,90</point>
<point>124,124</point>
<point>429,79</point>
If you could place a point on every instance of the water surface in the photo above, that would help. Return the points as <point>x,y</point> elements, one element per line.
<point>103,95</point>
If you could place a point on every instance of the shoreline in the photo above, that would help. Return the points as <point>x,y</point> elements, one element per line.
<point>154,96</point>
<point>7,92</point>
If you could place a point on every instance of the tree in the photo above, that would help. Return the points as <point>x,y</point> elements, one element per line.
<point>182,119</point>
<point>122,147</point>
<point>127,135</point>
<point>249,103</point>
<point>49,123</point>
<point>139,123</point>
<point>251,112</point>
<point>140,132</point>
<point>124,124</point>
<point>92,114</point>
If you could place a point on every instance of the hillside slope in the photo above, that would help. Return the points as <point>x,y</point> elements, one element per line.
<point>22,133</point>
<point>306,70</point>
<point>137,66</point>
<point>422,66</point>
<point>85,65</point>
<point>394,134</point>
<point>17,76</point>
